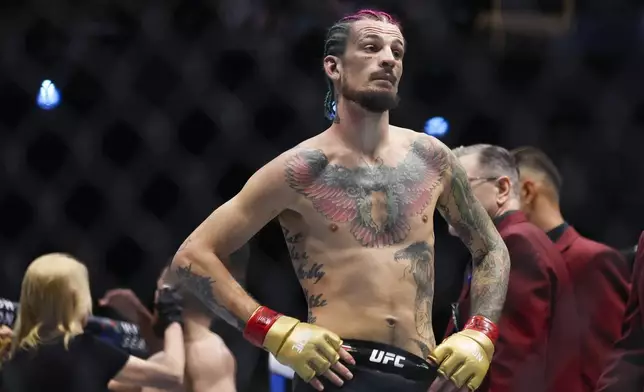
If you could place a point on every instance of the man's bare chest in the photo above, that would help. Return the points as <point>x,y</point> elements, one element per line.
<point>379,204</point>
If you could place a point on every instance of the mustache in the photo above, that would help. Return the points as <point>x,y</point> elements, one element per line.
<point>384,75</point>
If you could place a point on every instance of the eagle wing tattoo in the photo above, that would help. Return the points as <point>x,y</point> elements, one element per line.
<point>344,195</point>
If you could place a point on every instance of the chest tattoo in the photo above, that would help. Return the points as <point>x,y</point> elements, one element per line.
<point>376,201</point>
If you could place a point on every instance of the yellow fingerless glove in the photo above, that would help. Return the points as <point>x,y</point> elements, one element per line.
<point>308,349</point>
<point>465,356</point>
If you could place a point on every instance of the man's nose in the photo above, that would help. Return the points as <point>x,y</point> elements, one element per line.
<point>387,59</point>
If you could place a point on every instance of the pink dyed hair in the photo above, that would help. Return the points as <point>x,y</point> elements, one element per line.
<point>371,15</point>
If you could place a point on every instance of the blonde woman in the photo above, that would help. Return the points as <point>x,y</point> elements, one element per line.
<point>50,352</point>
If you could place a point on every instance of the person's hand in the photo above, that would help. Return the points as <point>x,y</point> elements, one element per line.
<point>309,350</point>
<point>464,358</point>
<point>312,351</point>
<point>6,334</point>
<point>169,309</point>
<point>125,302</point>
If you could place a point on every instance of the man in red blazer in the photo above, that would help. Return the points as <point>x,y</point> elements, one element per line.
<point>600,274</point>
<point>532,334</point>
<point>625,369</point>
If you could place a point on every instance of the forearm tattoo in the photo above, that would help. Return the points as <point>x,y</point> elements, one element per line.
<point>491,261</point>
<point>420,256</point>
<point>197,291</point>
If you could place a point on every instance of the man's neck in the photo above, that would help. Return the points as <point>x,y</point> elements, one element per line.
<point>547,215</point>
<point>511,205</point>
<point>359,129</point>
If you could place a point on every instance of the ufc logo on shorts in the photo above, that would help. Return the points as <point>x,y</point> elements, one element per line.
<point>384,358</point>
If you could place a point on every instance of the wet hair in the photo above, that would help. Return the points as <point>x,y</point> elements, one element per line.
<point>535,159</point>
<point>335,44</point>
<point>494,160</point>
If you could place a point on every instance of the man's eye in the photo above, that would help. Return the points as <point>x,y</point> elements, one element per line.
<point>398,53</point>
<point>370,48</point>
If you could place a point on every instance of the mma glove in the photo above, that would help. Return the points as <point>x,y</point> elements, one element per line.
<point>465,356</point>
<point>307,349</point>
<point>169,310</point>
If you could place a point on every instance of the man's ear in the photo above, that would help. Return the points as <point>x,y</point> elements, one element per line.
<point>528,191</point>
<point>332,67</point>
<point>505,188</point>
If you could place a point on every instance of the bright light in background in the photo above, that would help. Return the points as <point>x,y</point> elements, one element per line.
<point>48,96</point>
<point>436,126</point>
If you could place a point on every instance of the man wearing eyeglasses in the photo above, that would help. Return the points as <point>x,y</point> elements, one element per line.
<point>533,337</point>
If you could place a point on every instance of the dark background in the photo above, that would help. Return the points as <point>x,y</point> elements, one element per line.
<point>169,106</point>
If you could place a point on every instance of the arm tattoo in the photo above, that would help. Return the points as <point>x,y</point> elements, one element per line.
<point>197,293</point>
<point>376,201</point>
<point>491,261</point>
<point>420,256</point>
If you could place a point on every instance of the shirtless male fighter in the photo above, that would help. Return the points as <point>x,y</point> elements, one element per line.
<point>356,204</point>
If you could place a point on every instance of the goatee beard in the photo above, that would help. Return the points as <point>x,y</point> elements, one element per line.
<point>373,101</point>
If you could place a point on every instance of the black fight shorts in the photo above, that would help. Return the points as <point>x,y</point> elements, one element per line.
<point>379,368</point>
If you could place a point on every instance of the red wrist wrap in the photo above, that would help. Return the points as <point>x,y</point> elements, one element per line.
<point>258,325</point>
<point>482,324</point>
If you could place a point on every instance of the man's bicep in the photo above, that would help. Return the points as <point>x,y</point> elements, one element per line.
<point>460,208</point>
<point>230,226</point>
